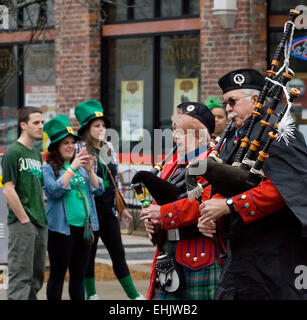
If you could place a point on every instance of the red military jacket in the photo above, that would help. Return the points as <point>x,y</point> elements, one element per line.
<point>258,202</point>
<point>195,253</point>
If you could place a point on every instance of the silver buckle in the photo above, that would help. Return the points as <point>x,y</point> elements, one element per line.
<point>173,235</point>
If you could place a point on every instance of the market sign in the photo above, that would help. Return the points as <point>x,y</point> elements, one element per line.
<point>183,55</point>
<point>299,48</point>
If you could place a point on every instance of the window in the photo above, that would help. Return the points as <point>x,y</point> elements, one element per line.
<point>8,96</point>
<point>134,10</point>
<point>39,15</point>
<point>179,73</point>
<point>147,73</point>
<point>39,82</point>
<point>143,9</point>
<point>283,6</point>
<point>33,16</point>
<point>147,78</point>
<point>129,88</point>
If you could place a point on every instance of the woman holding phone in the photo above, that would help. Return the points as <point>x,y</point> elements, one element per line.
<point>93,124</point>
<point>69,184</point>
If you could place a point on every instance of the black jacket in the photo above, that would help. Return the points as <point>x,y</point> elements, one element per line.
<point>262,255</point>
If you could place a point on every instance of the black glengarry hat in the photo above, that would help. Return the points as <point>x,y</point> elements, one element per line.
<point>241,79</point>
<point>200,112</point>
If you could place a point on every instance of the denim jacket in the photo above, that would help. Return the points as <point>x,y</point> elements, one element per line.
<point>56,208</point>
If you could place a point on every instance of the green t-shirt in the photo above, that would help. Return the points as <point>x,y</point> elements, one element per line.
<point>23,167</point>
<point>75,210</point>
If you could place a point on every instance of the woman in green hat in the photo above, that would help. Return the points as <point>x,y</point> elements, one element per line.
<point>69,185</point>
<point>93,125</point>
<point>218,110</point>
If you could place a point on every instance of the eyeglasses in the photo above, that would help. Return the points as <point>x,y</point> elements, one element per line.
<point>232,101</point>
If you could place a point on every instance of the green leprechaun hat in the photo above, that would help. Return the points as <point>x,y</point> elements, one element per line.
<point>87,111</point>
<point>213,102</point>
<point>57,129</point>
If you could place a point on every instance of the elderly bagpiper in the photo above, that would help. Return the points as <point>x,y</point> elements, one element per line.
<point>265,226</point>
<point>193,257</point>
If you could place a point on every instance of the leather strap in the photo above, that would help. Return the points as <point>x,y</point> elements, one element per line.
<point>188,232</point>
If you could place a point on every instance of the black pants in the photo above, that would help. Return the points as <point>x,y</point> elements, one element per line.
<point>109,232</point>
<point>64,252</point>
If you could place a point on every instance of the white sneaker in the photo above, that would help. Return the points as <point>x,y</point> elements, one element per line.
<point>139,297</point>
<point>94,297</point>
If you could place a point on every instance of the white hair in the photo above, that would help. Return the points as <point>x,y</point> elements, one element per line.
<point>250,92</point>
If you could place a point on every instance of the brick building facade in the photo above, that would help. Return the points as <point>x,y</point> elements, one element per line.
<point>244,46</point>
<point>153,45</point>
<point>77,54</point>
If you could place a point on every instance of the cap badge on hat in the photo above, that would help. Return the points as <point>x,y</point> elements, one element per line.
<point>239,79</point>
<point>190,108</point>
<point>70,130</point>
<point>98,114</point>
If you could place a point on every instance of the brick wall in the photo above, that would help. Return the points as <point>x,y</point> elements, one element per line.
<point>77,54</point>
<point>222,50</point>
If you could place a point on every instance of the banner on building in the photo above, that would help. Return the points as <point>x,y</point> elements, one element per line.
<point>132,109</point>
<point>299,48</point>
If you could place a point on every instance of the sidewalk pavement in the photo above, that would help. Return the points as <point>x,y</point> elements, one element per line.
<point>139,253</point>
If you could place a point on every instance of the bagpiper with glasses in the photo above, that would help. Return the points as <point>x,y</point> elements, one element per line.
<point>265,226</point>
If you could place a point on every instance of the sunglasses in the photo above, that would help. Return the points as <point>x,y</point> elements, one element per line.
<point>232,101</point>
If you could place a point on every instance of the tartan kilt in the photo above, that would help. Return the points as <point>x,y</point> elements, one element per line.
<point>199,284</point>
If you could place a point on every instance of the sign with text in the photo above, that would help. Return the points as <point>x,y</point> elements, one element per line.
<point>299,48</point>
<point>132,106</point>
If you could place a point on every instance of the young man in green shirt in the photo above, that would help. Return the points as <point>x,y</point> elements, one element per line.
<point>27,221</point>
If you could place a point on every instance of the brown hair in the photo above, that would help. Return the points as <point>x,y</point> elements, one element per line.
<point>24,115</point>
<point>89,141</point>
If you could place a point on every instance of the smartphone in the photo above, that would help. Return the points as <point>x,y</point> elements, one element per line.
<point>83,152</point>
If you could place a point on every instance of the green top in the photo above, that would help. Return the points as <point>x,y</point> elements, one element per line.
<point>23,167</point>
<point>74,204</point>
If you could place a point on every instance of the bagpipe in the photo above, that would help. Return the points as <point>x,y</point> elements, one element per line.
<point>246,171</point>
<point>161,190</point>
<point>144,182</point>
